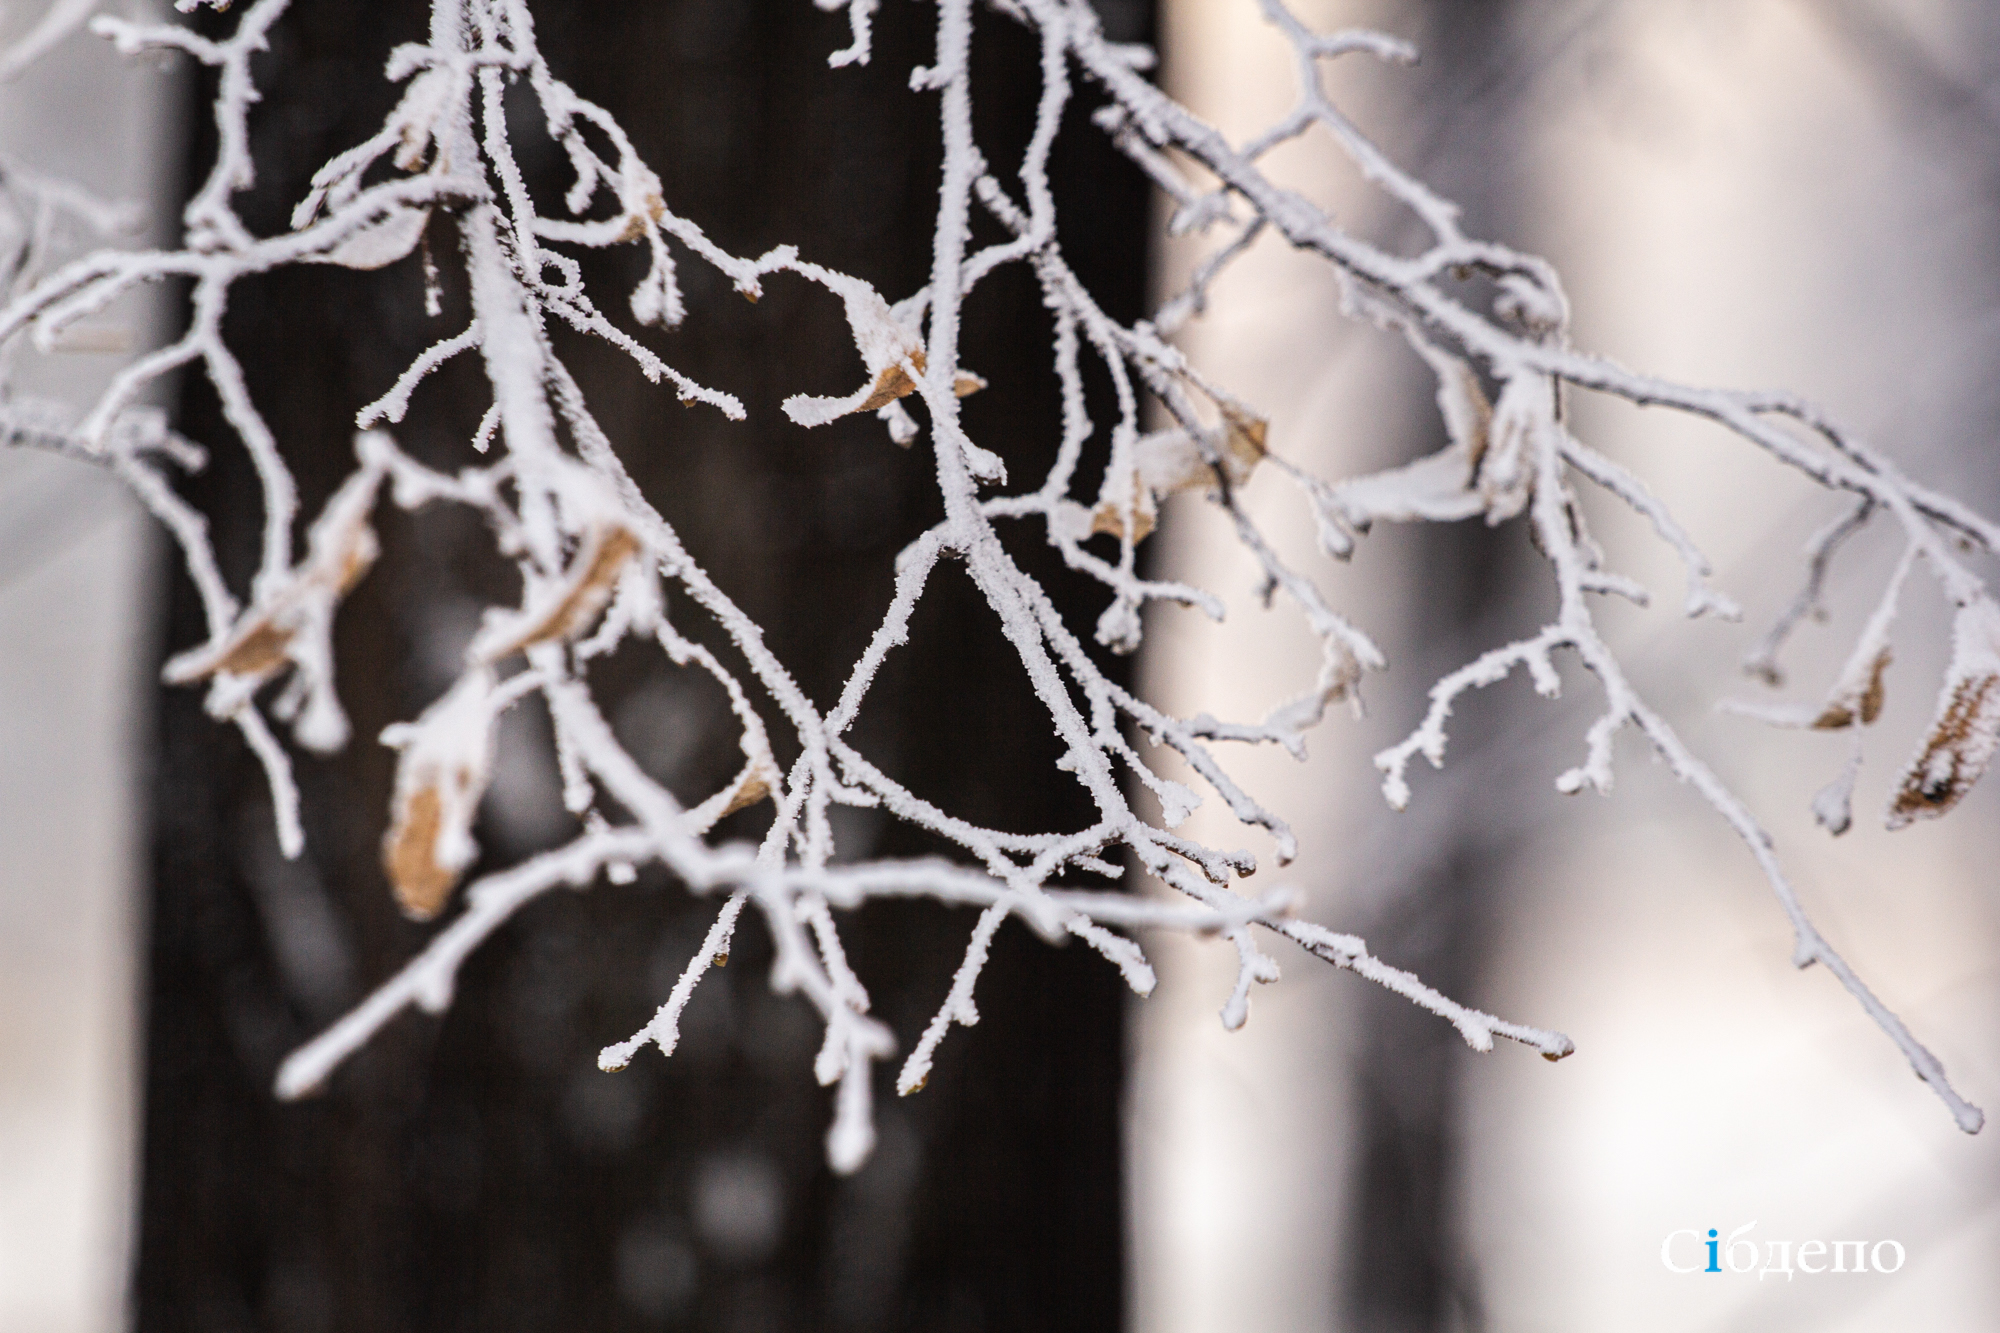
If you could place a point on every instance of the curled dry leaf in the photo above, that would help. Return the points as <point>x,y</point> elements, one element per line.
<point>755,781</point>
<point>894,382</point>
<point>1859,693</point>
<point>1109,518</point>
<point>254,650</point>
<point>420,883</point>
<point>1168,461</point>
<point>291,626</point>
<point>446,763</point>
<point>1964,733</point>
<point>752,789</point>
<point>885,347</point>
<point>1435,488</point>
<point>563,608</point>
<point>1243,442</point>
<point>884,343</point>
<point>258,644</point>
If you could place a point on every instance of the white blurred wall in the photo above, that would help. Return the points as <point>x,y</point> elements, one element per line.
<point>76,579</point>
<point>1733,197</point>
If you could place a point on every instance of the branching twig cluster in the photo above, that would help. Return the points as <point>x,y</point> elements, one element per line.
<point>599,564</point>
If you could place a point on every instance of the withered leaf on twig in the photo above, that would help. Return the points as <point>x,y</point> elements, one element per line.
<point>1966,729</point>
<point>1166,462</point>
<point>752,789</point>
<point>893,382</point>
<point>566,607</point>
<point>885,345</point>
<point>341,549</point>
<point>1858,695</point>
<point>446,763</point>
<point>292,624</point>
<point>1439,487</point>
<point>409,855</point>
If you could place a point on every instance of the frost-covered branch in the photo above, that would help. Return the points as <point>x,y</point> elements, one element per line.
<point>599,563</point>
<point>1516,455</point>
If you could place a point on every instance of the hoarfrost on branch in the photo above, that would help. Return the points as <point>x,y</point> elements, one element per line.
<point>599,563</point>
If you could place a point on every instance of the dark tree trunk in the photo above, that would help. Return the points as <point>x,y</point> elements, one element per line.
<point>475,1171</point>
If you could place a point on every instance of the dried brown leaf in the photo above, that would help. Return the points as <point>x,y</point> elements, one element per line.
<point>1966,730</point>
<point>751,790</point>
<point>259,644</point>
<point>257,648</point>
<point>585,590</point>
<point>1109,518</point>
<point>443,771</point>
<point>1167,462</point>
<point>1243,443</point>
<point>409,855</point>
<point>893,382</point>
<point>635,223</point>
<point>1860,697</point>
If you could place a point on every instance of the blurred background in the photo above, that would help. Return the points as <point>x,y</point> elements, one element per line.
<point>1794,193</point>
<point>79,630</point>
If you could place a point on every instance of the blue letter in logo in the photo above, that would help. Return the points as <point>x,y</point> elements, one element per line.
<point>1713,1267</point>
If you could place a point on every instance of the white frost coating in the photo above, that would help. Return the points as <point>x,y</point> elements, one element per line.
<point>597,560</point>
